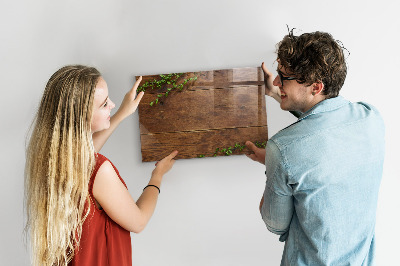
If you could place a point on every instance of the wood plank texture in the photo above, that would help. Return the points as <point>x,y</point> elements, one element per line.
<point>194,144</point>
<point>218,109</point>
<point>204,109</point>
<point>216,78</point>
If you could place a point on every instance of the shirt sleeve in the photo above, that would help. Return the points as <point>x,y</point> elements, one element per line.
<point>277,209</point>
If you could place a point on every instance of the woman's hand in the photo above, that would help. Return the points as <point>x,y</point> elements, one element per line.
<point>258,155</point>
<point>270,89</point>
<point>131,101</point>
<point>163,166</point>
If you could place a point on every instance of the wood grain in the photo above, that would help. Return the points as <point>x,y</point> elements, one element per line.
<point>192,144</point>
<point>204,109</point>
<point>214,79</point>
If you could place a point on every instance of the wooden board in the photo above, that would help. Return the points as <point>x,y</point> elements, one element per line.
<point>218,110</point>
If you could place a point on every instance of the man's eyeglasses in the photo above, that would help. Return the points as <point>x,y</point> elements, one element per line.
<point>282,78</point>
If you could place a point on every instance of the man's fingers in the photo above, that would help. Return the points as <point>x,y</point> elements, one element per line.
<point>251,146</point>
<point>251,156</point>
<point>265,69</point>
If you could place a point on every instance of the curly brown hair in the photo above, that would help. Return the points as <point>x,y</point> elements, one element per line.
<point>314,57</point>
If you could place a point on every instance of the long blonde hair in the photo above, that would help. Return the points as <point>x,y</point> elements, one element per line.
<point>59,161</point>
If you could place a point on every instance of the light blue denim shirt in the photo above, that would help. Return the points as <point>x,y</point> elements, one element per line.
<point>323,176</point>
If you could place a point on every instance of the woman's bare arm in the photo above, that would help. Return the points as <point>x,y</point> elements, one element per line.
<point>116,201</point>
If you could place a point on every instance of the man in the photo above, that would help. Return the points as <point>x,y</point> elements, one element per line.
<point>323,171</point>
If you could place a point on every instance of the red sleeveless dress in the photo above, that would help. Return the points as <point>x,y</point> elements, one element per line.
<point>103,241</point>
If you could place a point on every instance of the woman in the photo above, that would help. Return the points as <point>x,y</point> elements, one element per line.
<point>78,207</point>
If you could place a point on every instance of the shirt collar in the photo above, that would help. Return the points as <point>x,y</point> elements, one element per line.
<point>325,106</point>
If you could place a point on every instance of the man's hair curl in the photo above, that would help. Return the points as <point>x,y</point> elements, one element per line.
<point>314,57</point>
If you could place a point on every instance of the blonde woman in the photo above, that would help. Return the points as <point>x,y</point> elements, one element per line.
<point>79,211</point>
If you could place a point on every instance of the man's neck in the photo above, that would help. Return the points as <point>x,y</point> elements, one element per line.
<point>316,100</point>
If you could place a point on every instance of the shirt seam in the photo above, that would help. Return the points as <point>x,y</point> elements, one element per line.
<point>314,133</point>
<point>271,228</point>
<point>285,164</point>
<point>324,110</point>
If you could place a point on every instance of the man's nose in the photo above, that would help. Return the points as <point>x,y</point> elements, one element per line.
<point>277,81</point>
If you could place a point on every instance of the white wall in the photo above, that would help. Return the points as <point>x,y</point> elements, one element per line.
<point>208,208</point>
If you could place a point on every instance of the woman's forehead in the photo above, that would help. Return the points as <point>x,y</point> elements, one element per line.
<point>101,91</point>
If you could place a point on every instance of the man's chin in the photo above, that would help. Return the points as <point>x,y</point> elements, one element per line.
<point>285,108</point>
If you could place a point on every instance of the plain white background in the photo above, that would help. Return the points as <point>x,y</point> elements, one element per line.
<point>208,208</point>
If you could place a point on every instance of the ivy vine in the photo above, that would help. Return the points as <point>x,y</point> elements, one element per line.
<point>227,151</point>
<point>169,80</point>
<point>260,144</point>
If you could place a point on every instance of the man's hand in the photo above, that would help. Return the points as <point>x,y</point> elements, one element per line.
<point>258,155</point>
<point>270,89</point>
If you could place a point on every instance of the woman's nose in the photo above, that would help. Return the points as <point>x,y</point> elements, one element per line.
<point>112,105</point>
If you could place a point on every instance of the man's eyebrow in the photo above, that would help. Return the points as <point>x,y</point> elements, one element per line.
<point>283,74</point>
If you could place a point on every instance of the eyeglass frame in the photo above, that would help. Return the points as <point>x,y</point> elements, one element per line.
<point>282,78</point>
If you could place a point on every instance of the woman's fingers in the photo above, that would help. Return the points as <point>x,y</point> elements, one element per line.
<point>136,85</point>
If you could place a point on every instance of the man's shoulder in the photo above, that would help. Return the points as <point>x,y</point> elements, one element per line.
<point>326,121</point>
<point>365,113</point>
<point>367,108</point>
<point>288,135</point>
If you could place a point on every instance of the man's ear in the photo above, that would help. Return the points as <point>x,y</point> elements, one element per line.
<point>317,88</point>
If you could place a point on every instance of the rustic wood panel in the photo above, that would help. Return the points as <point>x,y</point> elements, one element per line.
<point>220,108</point>
<point>194,144</point>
